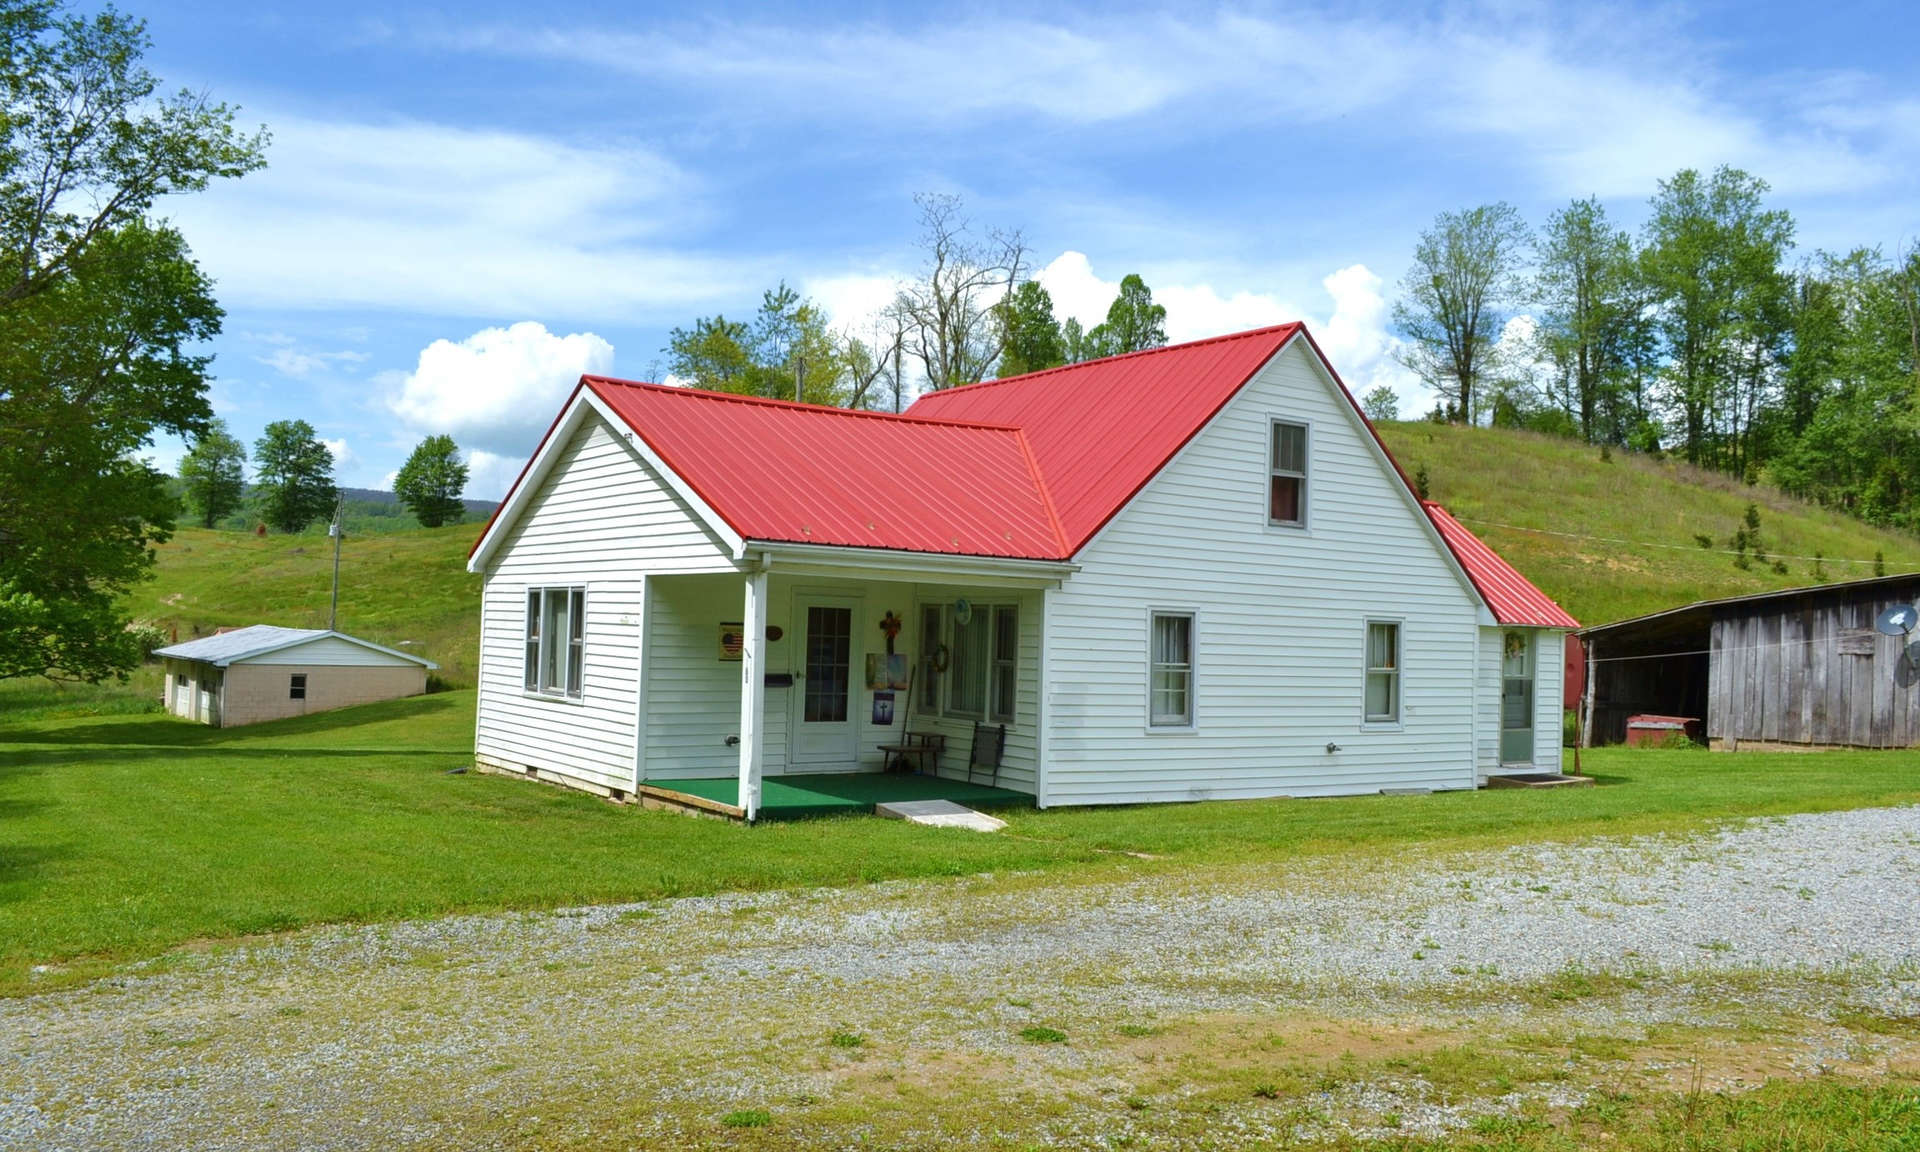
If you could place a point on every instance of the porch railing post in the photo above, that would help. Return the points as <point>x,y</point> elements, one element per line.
<point>753,690</point>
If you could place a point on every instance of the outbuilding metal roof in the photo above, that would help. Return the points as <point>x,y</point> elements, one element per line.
<point>1512,597</point>
<point>224,648</point>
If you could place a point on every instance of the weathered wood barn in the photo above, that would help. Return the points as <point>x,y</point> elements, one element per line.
<point>1803,666</point>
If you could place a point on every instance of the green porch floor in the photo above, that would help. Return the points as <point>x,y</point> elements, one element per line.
<point>839,793</point>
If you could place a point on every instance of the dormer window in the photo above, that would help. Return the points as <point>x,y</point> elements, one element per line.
<point>1287,478</point>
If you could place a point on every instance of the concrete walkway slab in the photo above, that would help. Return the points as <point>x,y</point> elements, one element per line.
<point>939,814</point>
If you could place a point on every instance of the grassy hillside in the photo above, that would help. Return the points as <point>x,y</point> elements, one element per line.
<point>404,589</point>
<point>1491,477</point>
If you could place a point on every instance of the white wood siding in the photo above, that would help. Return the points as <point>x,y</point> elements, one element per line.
<point>693,697</point>
<point>1486,729</point>
<point>1279,651</point>
<point>602,520</point>
<point>333,651</point>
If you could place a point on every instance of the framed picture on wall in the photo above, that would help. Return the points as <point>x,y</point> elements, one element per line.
<point>883,708</point>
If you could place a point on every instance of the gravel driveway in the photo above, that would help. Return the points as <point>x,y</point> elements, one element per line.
<point>426,1033</point>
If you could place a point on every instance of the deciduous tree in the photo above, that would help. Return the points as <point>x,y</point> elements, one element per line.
<point>295,474</point>
<point>213,474</point>
<point>430,483</point>
<point>1134,322</point>
<point>101,308</point>
<point>1029,334</point>
<point>1454,300</point>
<point>952,331</point>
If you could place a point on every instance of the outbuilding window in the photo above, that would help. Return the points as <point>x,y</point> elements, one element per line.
<point>1170,681</point>
<point>1383,672</point>
<point>297,686</point>
<point>556,640</point>
<point>1287,476</point>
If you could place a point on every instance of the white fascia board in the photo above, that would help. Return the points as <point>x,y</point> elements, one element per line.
<point>583,404</point>
<point>729,539</point>
<point>243,657</point>
<point>892,564</point>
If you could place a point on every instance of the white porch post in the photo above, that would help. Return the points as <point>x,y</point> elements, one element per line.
<point>753,689</point>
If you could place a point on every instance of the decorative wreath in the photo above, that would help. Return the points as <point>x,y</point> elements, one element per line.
<point>940,658</point>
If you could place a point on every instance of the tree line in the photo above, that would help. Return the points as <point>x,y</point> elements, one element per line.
<point>973,313</point>
<point>294,484</point>
<point>1695,336</point>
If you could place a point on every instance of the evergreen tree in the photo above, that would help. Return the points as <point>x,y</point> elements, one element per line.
<point>214,474</point>
<point>431,481</point>
<point>295,475</point>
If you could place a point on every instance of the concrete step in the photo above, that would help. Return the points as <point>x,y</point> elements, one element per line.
<point>939,814</point>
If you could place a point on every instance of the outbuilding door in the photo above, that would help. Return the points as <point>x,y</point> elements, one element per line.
<point>1516,698</point>
<point>825,723</point>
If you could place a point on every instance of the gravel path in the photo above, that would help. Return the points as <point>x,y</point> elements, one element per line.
<point>421,1033</point>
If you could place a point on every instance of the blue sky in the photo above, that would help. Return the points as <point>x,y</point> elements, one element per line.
<point>464,209</point>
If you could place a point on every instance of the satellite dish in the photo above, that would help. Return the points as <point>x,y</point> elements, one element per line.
<point>1906,672</point>
<point>1897,620</point>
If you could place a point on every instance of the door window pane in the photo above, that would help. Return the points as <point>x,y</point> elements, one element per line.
<point>829,655</point>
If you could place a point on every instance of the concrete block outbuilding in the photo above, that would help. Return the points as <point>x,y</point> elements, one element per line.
<point>266,673</point>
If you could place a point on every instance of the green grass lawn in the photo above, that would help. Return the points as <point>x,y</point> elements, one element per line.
<point>122,836</point>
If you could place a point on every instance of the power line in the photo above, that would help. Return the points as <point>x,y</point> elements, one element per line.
<point>1708,651</point>
<point>1670,547</point>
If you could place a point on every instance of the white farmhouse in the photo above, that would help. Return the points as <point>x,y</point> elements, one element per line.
<point>1182,574</point>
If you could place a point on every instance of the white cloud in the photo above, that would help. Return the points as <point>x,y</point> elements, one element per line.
<point>342,454</point>
<point>1598,103</point>
<point>490,475</point>
<point>427,218</point>
<point>497,388</point>
<point>300,363</point>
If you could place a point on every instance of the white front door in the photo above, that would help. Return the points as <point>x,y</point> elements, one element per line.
<point>826,697</point>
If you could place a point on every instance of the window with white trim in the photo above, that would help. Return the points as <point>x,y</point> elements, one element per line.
<point>1001,677</point>
<point>1170,680</point>
<point>930,658</point>
<point>967,664</point>
<point>1287,476</point>
<point>1383,672</point>
<point>556,640</point>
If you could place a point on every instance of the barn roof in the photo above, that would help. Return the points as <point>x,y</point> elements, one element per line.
<point>1511,596</point>
<point>224,648</point>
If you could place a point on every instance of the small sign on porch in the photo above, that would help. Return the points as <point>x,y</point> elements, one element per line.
<point>883,708</point>
<point>731,636</point>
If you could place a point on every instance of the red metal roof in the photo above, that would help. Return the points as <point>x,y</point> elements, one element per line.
<point>799,473</point>
<point>1511,596</point>
<point>1028,467</point>
<point>1102,429</point>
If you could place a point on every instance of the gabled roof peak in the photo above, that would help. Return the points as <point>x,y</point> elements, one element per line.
<point>792,405</point>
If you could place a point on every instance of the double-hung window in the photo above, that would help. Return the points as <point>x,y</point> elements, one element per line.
<point>1006,654</point>
<point>1383,672</point>
<point>1170,679</point>
<point>297,686</point>
<point>556,640</point>
<point>967,665</point>
<point>1287,476</point>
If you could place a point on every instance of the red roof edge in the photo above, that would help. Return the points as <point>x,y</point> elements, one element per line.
<point>1072,548</point>
<point>774,402</point>
<point>520,479</point>
<point>1511,597</point>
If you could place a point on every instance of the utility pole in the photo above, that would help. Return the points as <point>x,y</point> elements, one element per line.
<point>334,530</point>
<point>799,380</point>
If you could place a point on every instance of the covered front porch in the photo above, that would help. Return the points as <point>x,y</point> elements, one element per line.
<point>774,692</point>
